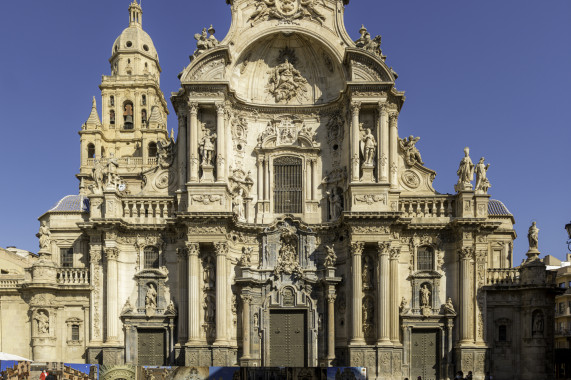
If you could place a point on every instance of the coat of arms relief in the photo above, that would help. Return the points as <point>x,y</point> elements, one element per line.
<point>286,10</point>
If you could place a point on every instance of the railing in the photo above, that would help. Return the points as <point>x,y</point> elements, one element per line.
<point>503,276</point>
<point>126,161</point>
<point>151,161</point>
<point>73,276</point>
<point>429,207</point>
<point>147,210</point>
<point>10,283</point>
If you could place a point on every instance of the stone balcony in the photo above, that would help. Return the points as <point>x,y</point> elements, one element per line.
<point>72,276</point>
<point>503,277</point>
<point>147,210</point>
<point>10,281</point>
<point>127,161</point>
<point>427,207</point>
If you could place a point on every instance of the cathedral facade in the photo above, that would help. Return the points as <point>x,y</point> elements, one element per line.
<point>287,224</point>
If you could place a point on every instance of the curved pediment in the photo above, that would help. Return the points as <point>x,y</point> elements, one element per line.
<point>293,69</point>
<point>365,66</point>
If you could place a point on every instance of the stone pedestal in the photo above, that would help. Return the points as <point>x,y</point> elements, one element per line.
<point>208,198</point>
<point>112,356</point>
<point>368,197</point>
<point>368,174</point>
<point>207,174</point>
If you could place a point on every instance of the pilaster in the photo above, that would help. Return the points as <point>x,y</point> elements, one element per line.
<point>192,153</point>
<point>383,155</point>
<point>221,299</point>
<point>357,338</point>
<point>111,256</point>
<point>192,250</point>
<point>355,160</point>
<point>393,155</point>
<point>220,143</point>
<point>383,313</point>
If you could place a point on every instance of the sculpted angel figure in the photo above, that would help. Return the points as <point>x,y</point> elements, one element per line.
<point>97,174</point>
<point>369,148</point>
<point>262,10</point>
<point>204,41</point>
<point>365,41</point>
<point>310,11</point>
<point>411,152</point>
<point>482,183</point>
<point>465,172</point>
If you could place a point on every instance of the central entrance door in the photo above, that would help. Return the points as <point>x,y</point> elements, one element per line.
<point>151,347</point>
<point>424,351</point>
<point>288,343</point>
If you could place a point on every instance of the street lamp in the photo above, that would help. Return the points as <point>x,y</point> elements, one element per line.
<point>568,228</point>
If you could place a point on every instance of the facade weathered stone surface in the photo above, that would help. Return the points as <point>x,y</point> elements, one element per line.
<point>287,225</point>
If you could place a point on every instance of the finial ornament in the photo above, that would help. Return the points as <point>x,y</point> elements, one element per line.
<point>465,173</point>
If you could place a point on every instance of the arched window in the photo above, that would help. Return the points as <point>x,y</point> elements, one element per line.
<point>151,257</point>
<point>75,332</point>
<point>288,185</point>
<point>112,117</point>
<point>128,115</point>
<point>144,117</point>
<point>144,97</point>
<point>152,149</point>
<point>425,258</point>
<point>112,101</point>
<point>90,151</point>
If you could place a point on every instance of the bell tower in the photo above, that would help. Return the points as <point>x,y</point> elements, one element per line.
<point>134,110</point>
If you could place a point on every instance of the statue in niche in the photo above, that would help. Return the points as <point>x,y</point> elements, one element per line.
<point>286,82</point>
<point>368,316</point>
<point>425,296</point>
<point>206,149</point>
<point>45,237</point>
<point>365,42</point>
<point>43,322</point>
<point>256,320</point>
<point>205,40</point>
<point>367,273</point>
<point>533,237</point>
<point>97,175</point>
<point>537,328</point>
<point>151,299</point>
<point>331,257</point>
<point>465,172</point>
<point>412,155</point>
<point>335,203</point>
<point>246,259</point>
<point>369,148</point>
<point>288,261</point>
<point>238,205</point>
<point>209,308</point>
<point>209,276</point>
<point>482,183</point>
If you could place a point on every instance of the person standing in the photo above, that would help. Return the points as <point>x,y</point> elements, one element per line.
<point>43,375</point>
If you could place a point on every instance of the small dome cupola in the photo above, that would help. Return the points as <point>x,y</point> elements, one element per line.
<point>135,14</point>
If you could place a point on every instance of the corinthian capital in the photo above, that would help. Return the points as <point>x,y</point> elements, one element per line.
<point>221,248</point>
<point>394,116</point>
<point>220,108</point>
<point>112,253</point>
<point>246,298</point>
<point>357,248</point>
<point>192,249</point>
<point>355,107</point>
<point>395,253</point>
<point>466,253</point>
<point>193,108</point>
<point>384,248</point>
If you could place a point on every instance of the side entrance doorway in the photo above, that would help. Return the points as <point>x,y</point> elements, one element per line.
<point>425,358</point>
<point>288,338</point>
<point>151,347</point>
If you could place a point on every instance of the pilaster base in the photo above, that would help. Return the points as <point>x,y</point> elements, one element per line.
<point>384,363</point>
<point>207,174</point>
<point>470,359</point>
<point>208,198</point>
<point>210,356</point>
<point>112,356</point>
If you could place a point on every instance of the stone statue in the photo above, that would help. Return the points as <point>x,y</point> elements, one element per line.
<point>43,322</point>
<point>165,153</point>
<point>331,257</point>
<point>465,172</point>
<point>335,203</point>
<point>97,175</point>
<point>205,40</point>
<point>238,205</point>
<point>286,82</point>
<point>367,273</point>
<point>365,42</point>
<point>369,147</point>
<point>425,296</point>
<point>246,259</point>
<point>209,308</point>
<point>171,309</point>
<point>482,183</point>
<point>533,237</point>
<point>448,306</point>
<point>110,172</point>
<point>45,237</point>
<point>537,324</point>
<point>288,258</point>
<point>412,155</point>
<point>403,307</point>
<point>151,297</point>
<point>286,10</point>
<point>207,147</point>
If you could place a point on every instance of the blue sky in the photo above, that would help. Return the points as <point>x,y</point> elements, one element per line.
<point>491,75</point>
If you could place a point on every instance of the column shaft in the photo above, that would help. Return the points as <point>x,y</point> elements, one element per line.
<point>465,330</point>
<point>267,181</point>
<point>192,154</point>
<point>331,328</point>
<point>112,280</point>
<point>221,302</point>
<point>246,299</point>
<point>260,179</point>
<point>384,144</point>
<point>182,296</point>
<point>383,314</point>
<point>315,179</point>
<point>193,294</point>
<point>394,301</point>
<point>220,143</point>
<point>355,159</point>
<point>357,303</point>
<point>393,136</point>
<point>181,155</point>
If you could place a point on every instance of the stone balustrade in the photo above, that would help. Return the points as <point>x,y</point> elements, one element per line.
<point>73,276</point>
<point>427,207</point>
<point>503,276</point>
<point>10,282</point>
<point>145,210</point>
<point>151,161</point>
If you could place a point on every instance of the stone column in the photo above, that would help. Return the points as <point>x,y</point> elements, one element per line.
<point>355,160</point>
<point>260,178</point>
<point>384,143</point>
<point>111,255</point>
<point>96,276</point>
<point>357,302</point>
<point>193,293</point>
<point>315,179</point>
<point>465,256</point>
<point>192,154</point>
<point>181,155</point>
<point>221,301</point>
<point>182,296</point>
<point>98,147</point>
<point>220,143</point>
<point>393,154</point>
<point>331,328</point>
<point>394,297</point>
<point>246,300</point>
<point>383,312</point>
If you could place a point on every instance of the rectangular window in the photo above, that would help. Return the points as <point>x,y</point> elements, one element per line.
<point>503,333</point>
<point>75,332</point>
<point>425,259</point>
<point>288,185</point>
<point>66,257</point>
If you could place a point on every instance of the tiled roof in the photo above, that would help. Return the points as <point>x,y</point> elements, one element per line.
<point>497,208</point>
<point>72,203</point>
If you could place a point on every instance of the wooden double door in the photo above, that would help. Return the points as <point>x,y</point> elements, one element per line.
<point>288,338</point>
<point>151,347</point>
<point>425,359</point>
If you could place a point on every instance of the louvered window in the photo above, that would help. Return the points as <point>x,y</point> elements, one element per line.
<point>425,259</point>
<point>151,257</point>
<point>288,185</point>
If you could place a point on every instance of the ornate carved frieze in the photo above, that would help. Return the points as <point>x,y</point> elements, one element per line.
<point>370,198</point>
<point>286,11</point>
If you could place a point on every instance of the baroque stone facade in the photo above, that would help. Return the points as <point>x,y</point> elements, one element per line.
<point>287,225</point>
